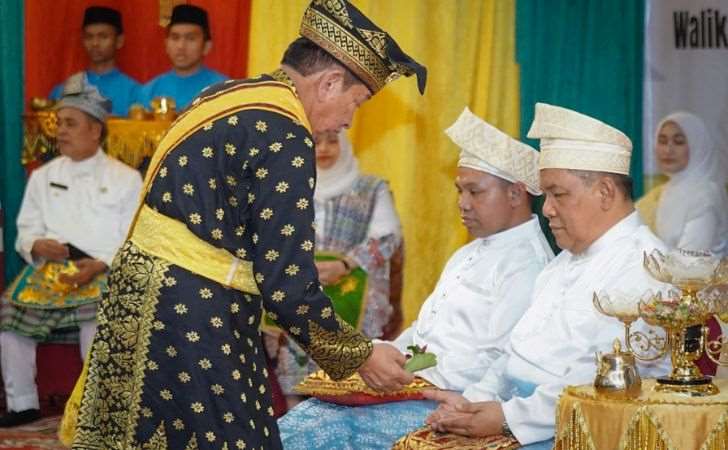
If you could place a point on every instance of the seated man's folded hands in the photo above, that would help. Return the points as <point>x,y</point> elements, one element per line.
<point>477,419</point>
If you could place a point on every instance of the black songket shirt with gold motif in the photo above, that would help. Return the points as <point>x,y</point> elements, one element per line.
<point>225,229</point>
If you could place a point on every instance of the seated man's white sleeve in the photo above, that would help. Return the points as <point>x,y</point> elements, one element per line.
<point>491,385</point>
<point>31,223</point>
<point>532,419</point>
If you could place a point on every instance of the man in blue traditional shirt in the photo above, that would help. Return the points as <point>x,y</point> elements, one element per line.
<point>188,41</point>
<point>103,36</point>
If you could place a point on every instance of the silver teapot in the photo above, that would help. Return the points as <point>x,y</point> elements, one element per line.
<point>617,373</point>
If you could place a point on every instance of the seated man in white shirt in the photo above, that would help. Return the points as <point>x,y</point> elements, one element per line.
<point>74,216</point>
<point>584,168</point>
<point>482,292</point>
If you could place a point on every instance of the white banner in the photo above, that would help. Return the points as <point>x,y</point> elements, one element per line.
<point>686,68</point>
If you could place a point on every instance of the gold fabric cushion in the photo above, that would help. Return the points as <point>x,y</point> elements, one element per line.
<point>354,391</point>
<point>427,439</point>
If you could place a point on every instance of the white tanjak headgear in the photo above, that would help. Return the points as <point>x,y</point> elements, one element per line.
<point>571,140</point>
<point>486,148</point>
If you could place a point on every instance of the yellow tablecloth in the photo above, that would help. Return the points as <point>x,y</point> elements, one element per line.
<point>652,421</point>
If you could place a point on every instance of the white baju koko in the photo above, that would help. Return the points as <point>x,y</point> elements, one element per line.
<point>554,344</point>
<point>483,291</point>
<point>88,204</point>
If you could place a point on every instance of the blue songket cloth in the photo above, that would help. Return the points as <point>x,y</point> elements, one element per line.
<point>317,425</point>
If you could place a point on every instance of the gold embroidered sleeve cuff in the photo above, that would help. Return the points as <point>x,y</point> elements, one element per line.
<point>338,352</point>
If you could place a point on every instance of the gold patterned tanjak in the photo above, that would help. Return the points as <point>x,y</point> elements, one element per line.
<point>586,420</point>
<point>366,50</point>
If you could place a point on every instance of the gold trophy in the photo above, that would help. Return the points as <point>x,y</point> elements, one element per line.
<point>682,312</point>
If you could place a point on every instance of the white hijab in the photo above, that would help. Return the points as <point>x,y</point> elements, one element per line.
<point>340,177</point>
<point>702,180</point>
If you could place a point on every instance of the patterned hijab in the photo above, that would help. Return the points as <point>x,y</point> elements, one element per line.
<point>340,177</point>
<point>702,180</point>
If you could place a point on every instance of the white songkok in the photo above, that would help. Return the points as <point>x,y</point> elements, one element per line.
<point>484,147</point>
<point>571,140</point>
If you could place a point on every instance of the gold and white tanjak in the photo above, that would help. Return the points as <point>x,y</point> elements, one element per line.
<point>571,140</point>
<point>484,147</point>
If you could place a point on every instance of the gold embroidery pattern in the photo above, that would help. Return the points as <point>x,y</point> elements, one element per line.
<point>282,77</point>
<point>575,435</point>
<point>192,445</point>
<point>337,9</point>
<point>41,288</point>
<point>363,51</point>
<point>158,441</point>
<point>718,435</point>
<point>111,403</point>
<point>426,438</point>
<point>333,38</point>
<point>645,432</point>
<point>339,352</point>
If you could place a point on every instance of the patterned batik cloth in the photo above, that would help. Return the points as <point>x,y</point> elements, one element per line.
<point>178,360</point>
<point>347,220</point>
<point>317,425</point>
<point>46,325</point>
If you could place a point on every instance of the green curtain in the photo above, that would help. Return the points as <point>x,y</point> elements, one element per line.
<point>585,55</point>
<point>12,176</point>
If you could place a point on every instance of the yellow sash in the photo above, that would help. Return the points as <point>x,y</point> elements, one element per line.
<point>170,239</point>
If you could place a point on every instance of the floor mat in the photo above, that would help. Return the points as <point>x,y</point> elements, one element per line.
<point>39,435</point>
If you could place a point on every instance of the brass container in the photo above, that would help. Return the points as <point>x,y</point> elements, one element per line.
<point>164,108</point>
<point>617,373</point>
<point>137,112</point>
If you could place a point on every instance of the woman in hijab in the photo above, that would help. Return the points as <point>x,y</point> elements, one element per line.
<point>690,210</point>
<point>358,228</point>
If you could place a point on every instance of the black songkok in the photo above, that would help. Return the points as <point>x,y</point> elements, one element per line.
<point>102,14</point>
<point>191,14</point>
